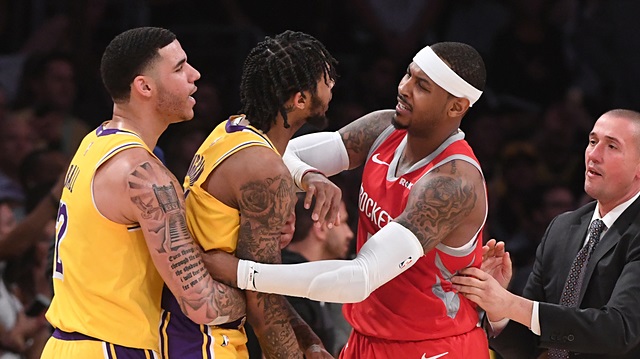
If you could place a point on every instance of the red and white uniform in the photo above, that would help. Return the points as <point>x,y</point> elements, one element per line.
<point>417,310</point>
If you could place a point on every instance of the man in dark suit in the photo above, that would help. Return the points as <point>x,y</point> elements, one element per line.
<point>583,295</point>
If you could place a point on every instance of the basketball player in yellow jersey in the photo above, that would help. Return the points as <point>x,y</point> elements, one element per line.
<point>238,187</point>
<point>121,227</point>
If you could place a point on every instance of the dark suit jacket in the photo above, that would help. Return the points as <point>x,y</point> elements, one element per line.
<point>607,324</point>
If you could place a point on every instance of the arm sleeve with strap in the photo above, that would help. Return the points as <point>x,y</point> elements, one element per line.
<point>384,256</point>
<point>322,152</point>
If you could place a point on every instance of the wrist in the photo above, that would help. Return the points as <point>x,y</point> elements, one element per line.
<point>309,171</point>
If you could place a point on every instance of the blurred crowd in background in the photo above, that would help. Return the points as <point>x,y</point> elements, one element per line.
<point>553,66</point>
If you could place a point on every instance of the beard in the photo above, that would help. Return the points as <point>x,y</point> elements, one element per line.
<point>397,125</point>
<point>318,118</point>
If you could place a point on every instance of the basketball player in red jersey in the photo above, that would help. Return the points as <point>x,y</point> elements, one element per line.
<point>422,207</point>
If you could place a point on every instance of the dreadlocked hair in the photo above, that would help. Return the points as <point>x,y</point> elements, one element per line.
<point>464,60</point>
<point>278,68</point>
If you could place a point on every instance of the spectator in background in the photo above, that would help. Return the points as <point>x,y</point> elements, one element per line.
<point>21,335</point>
<point>46,101</point>
<point>17,140</point>
<point>313,243</point>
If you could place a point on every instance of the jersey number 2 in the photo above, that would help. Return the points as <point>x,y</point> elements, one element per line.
<point>61,231</point>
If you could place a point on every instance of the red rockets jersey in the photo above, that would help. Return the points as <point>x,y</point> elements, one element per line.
<point>420,303</point>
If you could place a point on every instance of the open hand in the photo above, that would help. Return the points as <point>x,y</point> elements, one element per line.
<point>497,262</point>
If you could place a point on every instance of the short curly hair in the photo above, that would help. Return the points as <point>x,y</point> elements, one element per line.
<point>127,55</point>
<point>464,60</point>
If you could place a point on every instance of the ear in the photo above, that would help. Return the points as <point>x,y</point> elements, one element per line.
<point>458,106</point>
<point>320,233</point>
<point>142,85</point>
<point>300,100</point>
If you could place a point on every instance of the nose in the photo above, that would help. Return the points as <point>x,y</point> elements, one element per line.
<point>195,75</point>
<point>350,234</point>
<point>402,86</point>
<point>594,153</point>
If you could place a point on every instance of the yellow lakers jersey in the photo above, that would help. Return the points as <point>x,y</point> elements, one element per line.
<point>214,224</point>
<point>105,283</point>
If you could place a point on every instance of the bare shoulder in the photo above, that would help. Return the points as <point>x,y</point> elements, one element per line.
<point>359,135</point>
<point>451,199</point>
<point>123,181</point>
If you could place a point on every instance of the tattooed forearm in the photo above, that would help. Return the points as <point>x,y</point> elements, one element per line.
<point>304,334</point>
<point>437,207</point>
<point>222,304</point>
<point>276,335</point>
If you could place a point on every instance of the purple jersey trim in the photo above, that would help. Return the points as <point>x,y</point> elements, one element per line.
<point>101,131</point>
<point>120,351</point>
<point>230,127</point>
<point>62,335</point>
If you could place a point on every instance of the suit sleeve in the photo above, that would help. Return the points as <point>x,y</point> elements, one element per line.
<point>516,340</point>
<point>612,328</point>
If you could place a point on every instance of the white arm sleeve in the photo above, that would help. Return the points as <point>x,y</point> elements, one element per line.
<point>384,256</point>
<point>321,151</point>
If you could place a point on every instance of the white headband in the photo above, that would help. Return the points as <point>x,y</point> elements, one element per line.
<point>441,74</point>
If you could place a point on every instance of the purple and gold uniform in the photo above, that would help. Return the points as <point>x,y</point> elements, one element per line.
<point>107,289</point>
<point>214,225</point>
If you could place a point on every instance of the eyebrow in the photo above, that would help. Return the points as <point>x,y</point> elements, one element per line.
<point>180,63</point>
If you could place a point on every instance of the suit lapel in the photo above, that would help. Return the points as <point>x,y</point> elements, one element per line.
<point>608,241</point>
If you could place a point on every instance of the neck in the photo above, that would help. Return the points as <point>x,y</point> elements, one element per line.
<point>149,128</point>
<point>419,147</point>
<point>281,136</point>
<point>308,249</point>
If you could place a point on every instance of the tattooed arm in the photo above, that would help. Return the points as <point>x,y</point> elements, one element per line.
<point>330,153</point>
<point>256,182</point>
<point>447,205</point>
<point>139,189</point>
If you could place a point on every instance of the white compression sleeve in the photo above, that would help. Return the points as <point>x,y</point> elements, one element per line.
<point>321,151</point>
<point>384,256</point>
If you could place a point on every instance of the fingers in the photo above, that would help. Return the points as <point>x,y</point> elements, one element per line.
<point>328,197</point>
<point>311,190</point>
<point>474,272</point>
